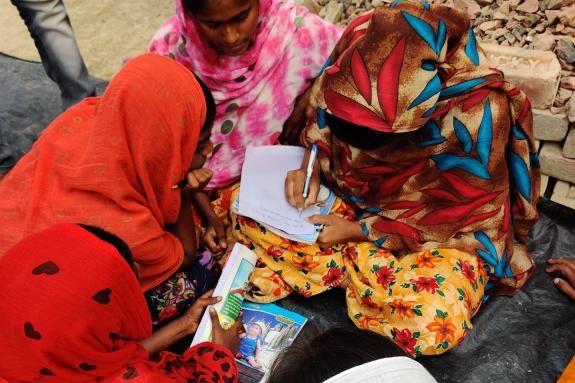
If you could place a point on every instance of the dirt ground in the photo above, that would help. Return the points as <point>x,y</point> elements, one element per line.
<point>107,31</point>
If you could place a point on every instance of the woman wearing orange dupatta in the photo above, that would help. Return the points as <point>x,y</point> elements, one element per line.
<point>111,162</point>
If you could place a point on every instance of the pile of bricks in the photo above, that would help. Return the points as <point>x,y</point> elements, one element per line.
<point>546,75</point>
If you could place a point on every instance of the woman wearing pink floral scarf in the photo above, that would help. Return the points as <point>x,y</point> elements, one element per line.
<point>257,58</point>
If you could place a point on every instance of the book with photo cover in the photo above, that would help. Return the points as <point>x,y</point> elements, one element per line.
<point>231,287</point>
<point>268,330</point>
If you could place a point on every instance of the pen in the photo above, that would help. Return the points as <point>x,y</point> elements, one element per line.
<point>309,172</point>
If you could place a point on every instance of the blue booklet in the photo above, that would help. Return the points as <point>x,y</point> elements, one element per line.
<point>268,330</point>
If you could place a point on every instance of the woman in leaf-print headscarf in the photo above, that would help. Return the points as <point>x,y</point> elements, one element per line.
<point>432,153</point>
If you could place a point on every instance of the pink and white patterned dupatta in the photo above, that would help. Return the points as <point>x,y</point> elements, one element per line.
<point>254,92</point>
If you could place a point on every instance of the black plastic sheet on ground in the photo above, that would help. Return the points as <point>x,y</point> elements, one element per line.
<point>526,338</point>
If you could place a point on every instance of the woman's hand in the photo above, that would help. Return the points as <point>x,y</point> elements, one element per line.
<point>177,329</point>
<point>198,179</point>
<point>295,181</point>
<point>195,312</point>
<point>230,338</point>
<point>215,237</point>
<point>337,230</point>
<point>567,268</point>
<point>296,121</point>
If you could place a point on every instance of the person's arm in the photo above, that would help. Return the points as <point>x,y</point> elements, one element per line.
<point>215,235</point>
<point>183,326</point>
<point>184,229</point>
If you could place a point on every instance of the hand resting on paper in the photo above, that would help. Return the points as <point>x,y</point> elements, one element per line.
<point>337,230</point>
<point>295,181</point>
<point>183,326</point>
<point>567,268</point>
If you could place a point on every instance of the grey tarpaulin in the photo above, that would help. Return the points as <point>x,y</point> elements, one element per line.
<point>526,338</point>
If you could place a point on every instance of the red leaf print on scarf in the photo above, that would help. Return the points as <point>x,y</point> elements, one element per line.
<point>350,110</point>
<point>360,76</point>
<point>394,183</point>
<point>376,170</point>
<point>412,206</point>
<point>505,225</point>
<point>476,97</point>
<point>479,217</point>
<point>441,194</point>
<point>388,81</point>
<point>463,187</point>
<point>456,213</point>
<point>394,227</point>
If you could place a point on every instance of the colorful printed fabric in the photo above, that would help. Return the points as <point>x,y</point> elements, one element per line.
<point>73,311</point>
<point>463,173</point>
<point>174,296</point>
<point>254,92</point>
<point>447,203</point>
<point>424,301</point>
<point>111,162</point>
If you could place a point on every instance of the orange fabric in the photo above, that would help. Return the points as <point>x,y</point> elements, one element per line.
<point>568,375</point>
<point>111,162</point>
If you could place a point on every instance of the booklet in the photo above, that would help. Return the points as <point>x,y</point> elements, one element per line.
<point>262,194</point>
<point>231,287</point>
<point>269,329</point>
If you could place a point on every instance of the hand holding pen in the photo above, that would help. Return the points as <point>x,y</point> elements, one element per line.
<point>302,185</point>
<point>308,174</point>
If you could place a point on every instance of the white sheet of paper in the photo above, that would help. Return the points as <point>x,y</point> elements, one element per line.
<point>262,195</point>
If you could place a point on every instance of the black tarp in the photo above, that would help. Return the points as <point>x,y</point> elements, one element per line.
<point>526,338</point>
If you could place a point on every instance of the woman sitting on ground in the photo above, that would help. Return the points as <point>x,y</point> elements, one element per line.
<point>113,162</point>
<point>433,156</point>
<point>73,311</point>
<point>256,57</point>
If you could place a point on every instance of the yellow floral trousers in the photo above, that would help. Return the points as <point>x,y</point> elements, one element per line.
<point>423,301</point>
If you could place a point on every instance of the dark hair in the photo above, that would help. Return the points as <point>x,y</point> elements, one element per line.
<point>210,105</point>
<point>113,240</point>
<point>330,353</point>
<point>357,136</point>
<point>193,6</point>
